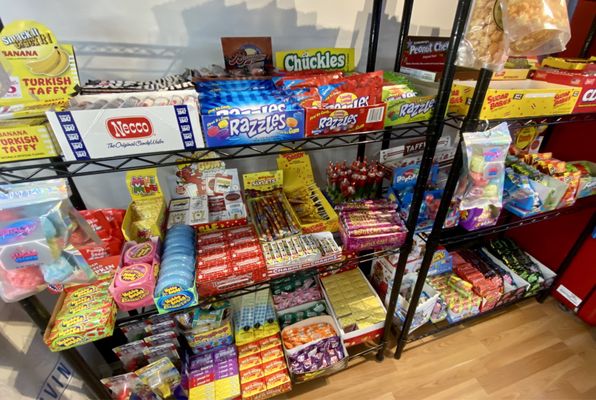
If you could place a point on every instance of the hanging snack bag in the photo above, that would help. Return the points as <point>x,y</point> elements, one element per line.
<point>484,167</point>
<point>536,27</point>
<point>484,44</point>
<point>37,223</point>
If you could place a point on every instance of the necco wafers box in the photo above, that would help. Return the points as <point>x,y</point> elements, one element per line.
<point>109,125</point>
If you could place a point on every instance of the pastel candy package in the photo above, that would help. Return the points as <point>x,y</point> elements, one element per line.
<point>247,104</point>
<point>483,175</point>
<point>37,227</point>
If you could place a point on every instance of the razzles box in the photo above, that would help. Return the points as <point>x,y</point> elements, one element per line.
<point>85,134</point>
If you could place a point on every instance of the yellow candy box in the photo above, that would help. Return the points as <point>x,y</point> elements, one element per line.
<point>516,99</point>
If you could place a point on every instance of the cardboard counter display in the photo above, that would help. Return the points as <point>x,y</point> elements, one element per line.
<point>585,80</point>
<point>516,99</point>
<point>85,134</point>
<point>25,139</point>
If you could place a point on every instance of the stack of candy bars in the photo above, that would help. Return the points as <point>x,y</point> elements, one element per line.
<point>177,270</point>
<point>263,368</point>
<point>168,82</point>
<point>128,100</point>
<point>214,375</point>
<point>86,313</point>
<point>297,298</point>
<point>459,298</point>
<point>299,252</point>
<point>228,259</point>
<point>517,260</point>
<point>354,303</point>
<point>484,281</point>
<point>370,224</point>
<point>312,347</point>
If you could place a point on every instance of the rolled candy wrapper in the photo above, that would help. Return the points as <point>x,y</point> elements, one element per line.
<point>366,205</point>
<point>375,230</point>
<point>140,253</point>
<point>132,274</point>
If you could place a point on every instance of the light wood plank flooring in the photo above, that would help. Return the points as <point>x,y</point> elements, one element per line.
<point>532,351</point>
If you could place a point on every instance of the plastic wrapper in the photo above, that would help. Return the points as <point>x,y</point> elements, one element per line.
<point>128,387</point>
<point>38,227</point>
<point>484,44</point>
<point>536,27</point>
<point>483,175</point>
<point>162,377</point>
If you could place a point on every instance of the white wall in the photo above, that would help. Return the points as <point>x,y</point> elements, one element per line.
<point>135,39</point>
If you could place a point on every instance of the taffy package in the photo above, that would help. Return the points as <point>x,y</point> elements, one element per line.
<point>536,27</point>
<point>484,44</point>
<point>483,175</point>
<point>37,223</point>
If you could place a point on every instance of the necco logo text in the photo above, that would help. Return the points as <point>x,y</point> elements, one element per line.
<point>129,127</point>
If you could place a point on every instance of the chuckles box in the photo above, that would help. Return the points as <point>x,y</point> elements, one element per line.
<point>85,134</point>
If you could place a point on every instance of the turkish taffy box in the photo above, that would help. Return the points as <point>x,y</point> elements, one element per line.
<point>87,133</point>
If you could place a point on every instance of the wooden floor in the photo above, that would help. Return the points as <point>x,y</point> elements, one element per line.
<point>532,351</point>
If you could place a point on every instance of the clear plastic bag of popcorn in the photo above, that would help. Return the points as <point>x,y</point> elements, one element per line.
<point>536,27</point>
<point>484,44</point>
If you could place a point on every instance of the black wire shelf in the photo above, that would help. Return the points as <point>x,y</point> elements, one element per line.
<point>454,120</point>
<point>431,329</point>
<point>43,169</point>
<point>236,292</point>
<point>507,221</point>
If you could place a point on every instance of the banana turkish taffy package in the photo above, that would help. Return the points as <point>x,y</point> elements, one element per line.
<point>40,68</point>
<point>38,230</point>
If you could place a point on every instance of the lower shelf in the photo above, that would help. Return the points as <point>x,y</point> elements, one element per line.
<point>430,329</point>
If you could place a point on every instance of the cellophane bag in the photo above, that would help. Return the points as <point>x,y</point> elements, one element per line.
<point>36,225</point>
<point>483,174</point>
<point>536,27</point>
<point>484,44</point>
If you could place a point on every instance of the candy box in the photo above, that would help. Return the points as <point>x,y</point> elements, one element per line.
<point>144,217</point>
<point>134,282</point>
<point>218,208</point>
<point>585,80</point>
<point>85,134</point>
<point>25,139</point>
<point>298,175</point>
<point>516,99</point>
<point>425,306</point>
<point>412,109</point>
<point>247,54</point>
<point>92,321</point>
<point>360,312</point>
<point>338,366</point>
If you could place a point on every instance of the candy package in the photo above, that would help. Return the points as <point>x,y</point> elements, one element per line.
<point>37,226</point>
<point>483,175</point>
<point>128,387</point>
<point>163,378</point>
<point>484,44</point>
<point>536,27</point>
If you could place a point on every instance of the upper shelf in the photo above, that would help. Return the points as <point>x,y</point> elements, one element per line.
<point>455,120</point>
<point>43,169</point>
